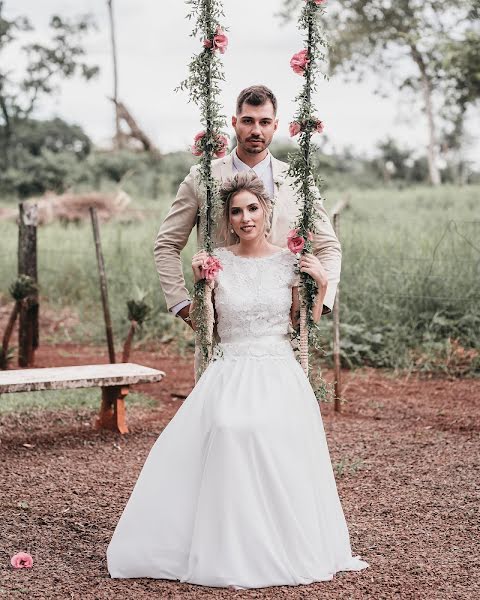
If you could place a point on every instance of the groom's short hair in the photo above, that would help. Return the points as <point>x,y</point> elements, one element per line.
<point>256,95</point>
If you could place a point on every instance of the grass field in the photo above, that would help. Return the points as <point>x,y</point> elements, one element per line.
<point>410,292</point>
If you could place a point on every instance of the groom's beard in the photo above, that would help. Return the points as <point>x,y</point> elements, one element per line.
<point>254,148</point>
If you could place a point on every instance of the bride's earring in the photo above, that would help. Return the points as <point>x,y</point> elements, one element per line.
<point>231,230</point>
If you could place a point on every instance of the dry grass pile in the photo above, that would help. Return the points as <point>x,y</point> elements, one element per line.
<point>74,208</point>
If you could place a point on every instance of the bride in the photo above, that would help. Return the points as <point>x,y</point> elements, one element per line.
<point>238,490</point>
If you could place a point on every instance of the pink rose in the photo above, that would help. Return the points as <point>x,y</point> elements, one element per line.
<point>318,2</point>
<point>21,560</point>
<point>219,42</point>
<point>210,268</point>
<point>319,126</point>
<point>197,149</point>
<point>221,145</point>
<point>294,128</point>
<point>299,61</point>
<point>295,242</point>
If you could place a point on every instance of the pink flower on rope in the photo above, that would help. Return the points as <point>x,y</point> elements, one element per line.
<point>197,147</point>
<point>294,128</point>
<point>219,42</point>
<point>318,2</point>
<point>296,242</point>
<point>221,144</point>
<point>21,560</point>
<point>319,126</point>
<point>299,62</point>
<point>211,266</point>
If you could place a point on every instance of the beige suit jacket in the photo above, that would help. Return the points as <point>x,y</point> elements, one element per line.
<point>184,216</point>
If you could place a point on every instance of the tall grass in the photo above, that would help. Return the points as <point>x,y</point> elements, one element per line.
<point>410,277</point>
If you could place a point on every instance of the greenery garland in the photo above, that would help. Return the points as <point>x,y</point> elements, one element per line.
<point>203,86</point>
<point>306,63</point>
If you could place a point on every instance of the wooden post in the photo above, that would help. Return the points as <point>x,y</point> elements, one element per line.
<point>112,410</point>
<point>336,334</point>
<point>28,331</point>
<point>103,284</point>
<point>336,316</point>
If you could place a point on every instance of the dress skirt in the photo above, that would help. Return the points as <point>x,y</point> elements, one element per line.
<point>238,490</point>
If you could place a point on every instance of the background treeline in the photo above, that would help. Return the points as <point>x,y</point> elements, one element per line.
<point>53,155</point>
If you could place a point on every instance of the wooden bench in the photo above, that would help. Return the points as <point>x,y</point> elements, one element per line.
<point>114,379</point>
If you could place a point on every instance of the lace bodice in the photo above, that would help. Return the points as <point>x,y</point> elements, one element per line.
<point>253,296</point>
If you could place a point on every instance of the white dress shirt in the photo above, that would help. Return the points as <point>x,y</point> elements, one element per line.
<point>263,171</point>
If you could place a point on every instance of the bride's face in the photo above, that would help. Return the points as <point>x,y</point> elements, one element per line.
<point>246,216</point>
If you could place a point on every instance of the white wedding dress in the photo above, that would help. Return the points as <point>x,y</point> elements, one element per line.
<point>238,490</point>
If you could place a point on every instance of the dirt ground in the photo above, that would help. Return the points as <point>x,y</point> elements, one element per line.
<point>406,454</point>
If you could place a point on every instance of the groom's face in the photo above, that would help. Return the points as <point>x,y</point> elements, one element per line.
<point>254,127</point>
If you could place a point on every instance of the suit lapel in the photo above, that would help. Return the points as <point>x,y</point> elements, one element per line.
<point>226,168</point>
<point>278,172</point>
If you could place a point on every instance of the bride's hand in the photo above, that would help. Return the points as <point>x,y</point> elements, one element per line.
<point>197,264</point>
<point>310,264</point>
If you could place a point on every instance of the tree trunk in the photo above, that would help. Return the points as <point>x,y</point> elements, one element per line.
<point>118,139</point>
<point>128,342</point>
<point>433,170</point>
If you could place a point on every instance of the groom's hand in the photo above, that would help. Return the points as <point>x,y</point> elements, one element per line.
<point>184,313</point>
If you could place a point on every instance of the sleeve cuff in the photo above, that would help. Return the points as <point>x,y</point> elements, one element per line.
<point>178,307</point>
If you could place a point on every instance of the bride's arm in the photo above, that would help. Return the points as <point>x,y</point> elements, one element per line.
<point>310,264</point>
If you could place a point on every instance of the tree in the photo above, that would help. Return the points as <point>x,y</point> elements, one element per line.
<point>406,41</point>
<point>46,66</point>
<point>118,139</point>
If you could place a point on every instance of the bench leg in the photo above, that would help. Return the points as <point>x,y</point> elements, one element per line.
<point>112,409</point>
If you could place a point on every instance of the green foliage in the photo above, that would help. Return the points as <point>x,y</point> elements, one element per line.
<point>302,162</point>
<point>203,86</point>
<point>138,309</point>
<point>46,64</point>
<point>49,171</point>
<point>22,287</point>
<point>76,399</point>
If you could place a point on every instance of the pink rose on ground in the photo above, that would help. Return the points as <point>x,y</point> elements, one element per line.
<point>319,126</point>
<point>222,145</point>
<point>299,61</point>
<point>211,267</point>
<point>219,42</point>
<point>21,560</point>
<point>294,128</point>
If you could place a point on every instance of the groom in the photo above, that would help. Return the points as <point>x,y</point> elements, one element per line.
<point>255,123</point>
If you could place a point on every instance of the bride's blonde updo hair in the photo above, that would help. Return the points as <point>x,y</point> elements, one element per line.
<point>249,182</point>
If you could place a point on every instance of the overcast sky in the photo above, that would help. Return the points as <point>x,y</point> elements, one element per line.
<point>154,49</point>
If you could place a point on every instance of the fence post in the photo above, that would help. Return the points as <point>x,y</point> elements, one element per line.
<point>103,284</point>
<point>336,316</point>
<point>28,330</point>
